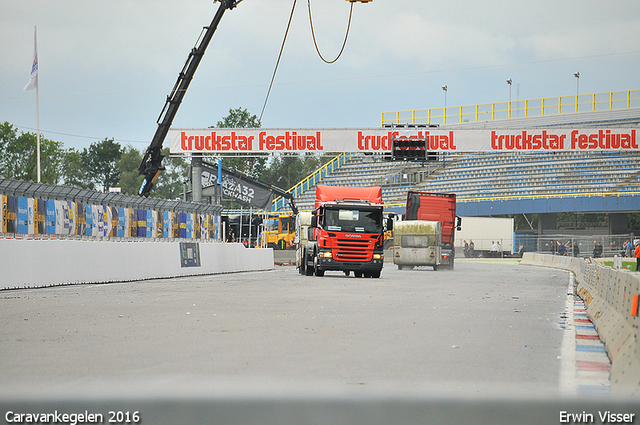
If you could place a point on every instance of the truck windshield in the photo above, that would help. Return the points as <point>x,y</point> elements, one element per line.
<point>344,220</point>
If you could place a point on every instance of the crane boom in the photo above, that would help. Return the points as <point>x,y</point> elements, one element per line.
<point>151,164</point>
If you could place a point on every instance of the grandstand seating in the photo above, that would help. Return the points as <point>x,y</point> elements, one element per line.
<point>495,175</point>
<point>490,175</point>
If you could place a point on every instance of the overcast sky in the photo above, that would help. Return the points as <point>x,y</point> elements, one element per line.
<point>106,67</point>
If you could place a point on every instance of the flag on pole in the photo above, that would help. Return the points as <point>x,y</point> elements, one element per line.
<point>33,79</point>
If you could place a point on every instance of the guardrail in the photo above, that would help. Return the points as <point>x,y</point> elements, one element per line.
<point>612,302</point>
<point>43,210</point>
<point>556,105</point>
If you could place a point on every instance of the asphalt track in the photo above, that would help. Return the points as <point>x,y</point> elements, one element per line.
<point>483,328</point>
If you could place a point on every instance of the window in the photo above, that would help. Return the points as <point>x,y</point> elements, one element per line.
<point>414,241</point>
<point>343,220</point>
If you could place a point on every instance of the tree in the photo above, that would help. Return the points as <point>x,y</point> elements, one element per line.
<point>239,118</point>
<point>287,170</point>
<point>74,170</point>
<point>170,183</point>
<point>128,164</point>
<point>252,166</point>
<point>102,161</point>
<point>18,156</point>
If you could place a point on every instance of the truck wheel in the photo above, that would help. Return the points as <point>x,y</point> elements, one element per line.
<point>375,274</point>
<point>435,268</point>
<point>357,274</point>
<point>317,269</point>
<point>399,267</point>
<point>451,264</point>
<point>346,273</point>
<point>308,268</point>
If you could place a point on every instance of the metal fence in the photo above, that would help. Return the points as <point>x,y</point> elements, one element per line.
<point>46,211</point>
<point>594,246</point>
<point>26,189</point>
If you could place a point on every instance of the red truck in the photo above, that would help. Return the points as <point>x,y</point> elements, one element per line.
<point>440,207</point>
<point>346,232</point>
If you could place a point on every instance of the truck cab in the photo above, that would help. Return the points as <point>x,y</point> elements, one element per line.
<point>346,232</point>
<point>440,207</point>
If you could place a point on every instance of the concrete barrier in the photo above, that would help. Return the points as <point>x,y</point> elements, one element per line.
<point>39,263</point>
<point>611,300</point>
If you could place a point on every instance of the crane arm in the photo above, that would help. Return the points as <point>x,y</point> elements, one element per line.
<point>151,164</point>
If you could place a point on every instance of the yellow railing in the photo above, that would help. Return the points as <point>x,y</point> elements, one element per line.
<point>312,179</point>
<point>516,109</point>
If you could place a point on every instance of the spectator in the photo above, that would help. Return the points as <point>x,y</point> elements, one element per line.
<point>562,249</point>
<point>637,254</point>
<point>494,249</point>
<point>521,250</point>
<point>597,249</point>
<point>472,248</point>
<point>466,249</point>
<point>576,249</point>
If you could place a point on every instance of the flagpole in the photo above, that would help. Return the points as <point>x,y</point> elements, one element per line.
<point>35,38</point>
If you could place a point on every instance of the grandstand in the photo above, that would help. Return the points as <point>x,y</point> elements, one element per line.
<point>488,175</point>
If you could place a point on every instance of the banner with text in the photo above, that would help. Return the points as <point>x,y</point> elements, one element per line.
<point>261,140</point>
<point>238,187</point>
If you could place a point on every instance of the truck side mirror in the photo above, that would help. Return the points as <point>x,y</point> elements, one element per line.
<point>459,224</point>
<point>311,234</point>
<point>314,221</point>
<point>390,224</point>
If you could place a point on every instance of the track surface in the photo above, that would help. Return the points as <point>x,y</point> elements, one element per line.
<point>483,327</point>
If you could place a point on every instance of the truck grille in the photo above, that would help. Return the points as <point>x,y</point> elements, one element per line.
<point>353,250</point>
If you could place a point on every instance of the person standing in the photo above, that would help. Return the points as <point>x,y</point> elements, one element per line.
<point>562,249</point>
<point>521,250</point>
<point>637,254</point>
<point>466,249</point>
<point>494,249</point>
<point>472,248</point>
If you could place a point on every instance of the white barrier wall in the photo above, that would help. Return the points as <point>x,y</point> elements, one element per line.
<point>40,263</point>
<point>611,298</point>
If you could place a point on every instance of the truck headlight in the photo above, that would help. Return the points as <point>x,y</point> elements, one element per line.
<point>326,254</point>
<point>378,256</point>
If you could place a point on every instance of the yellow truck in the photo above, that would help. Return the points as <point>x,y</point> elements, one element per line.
<point>417,243</point>
<point>279,231</point>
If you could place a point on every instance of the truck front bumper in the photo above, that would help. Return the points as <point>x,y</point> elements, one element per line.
<point>328,263</point>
